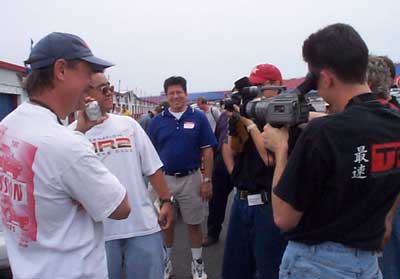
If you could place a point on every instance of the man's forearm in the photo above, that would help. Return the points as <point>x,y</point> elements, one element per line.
<point>259,143</point>
<point>208,161</point>
<point>159,184</point>
<point>285,216</point>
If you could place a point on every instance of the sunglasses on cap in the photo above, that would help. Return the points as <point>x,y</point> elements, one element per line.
<point>103,88</point>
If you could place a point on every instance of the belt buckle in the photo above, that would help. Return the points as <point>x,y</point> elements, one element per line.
<point>177,174</point>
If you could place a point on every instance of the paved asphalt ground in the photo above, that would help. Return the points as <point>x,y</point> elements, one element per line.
<point>181,255</point>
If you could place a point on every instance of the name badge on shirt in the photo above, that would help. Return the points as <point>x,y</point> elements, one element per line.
<point>188,125</point>
<point>254,200</point>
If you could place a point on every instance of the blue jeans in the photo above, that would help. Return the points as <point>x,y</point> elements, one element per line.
<point>142,256</point>
<point>328,260</point>
<point>390,262</point>
<point>254,245</point>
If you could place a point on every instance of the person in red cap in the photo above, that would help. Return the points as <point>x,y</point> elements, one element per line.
<point>254,245</point>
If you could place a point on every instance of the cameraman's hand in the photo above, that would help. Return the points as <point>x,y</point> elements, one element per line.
<point>83,123</point>
<point>246,121</point>
<point>276,139</point>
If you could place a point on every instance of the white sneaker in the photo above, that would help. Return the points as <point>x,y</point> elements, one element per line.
<point>168,269</point>
<point>198,269</point>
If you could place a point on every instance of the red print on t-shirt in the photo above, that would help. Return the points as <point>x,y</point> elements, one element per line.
<point>16,188</point>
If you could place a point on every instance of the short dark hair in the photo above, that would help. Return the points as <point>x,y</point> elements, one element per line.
<point>175,80</point>
<point>391,66</point>
<point>42,78</point>
<point>202,100</point>
<point>340,48</point>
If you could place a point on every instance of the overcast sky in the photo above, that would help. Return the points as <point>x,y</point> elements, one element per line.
<point>210,42</point>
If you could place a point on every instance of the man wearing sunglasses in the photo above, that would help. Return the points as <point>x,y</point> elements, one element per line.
<point>58,191</point>
<point>125,149</point>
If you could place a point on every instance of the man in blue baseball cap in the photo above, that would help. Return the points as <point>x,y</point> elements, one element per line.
<point>58,191</point>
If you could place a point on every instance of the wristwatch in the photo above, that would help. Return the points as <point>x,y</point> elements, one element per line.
<point>171,200</point>
<point>206,180</point>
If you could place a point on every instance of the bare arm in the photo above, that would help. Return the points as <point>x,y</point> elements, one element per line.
<point>208,154</point>
<point>389,222</point>
<point>159,184</point>
<point>228,156</point>
<point>206,187</point>
<point>258,141</point>
<point>122,211</point>
<point>285,216</point>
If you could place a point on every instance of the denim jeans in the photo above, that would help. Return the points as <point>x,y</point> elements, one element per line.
<point>328,260</point>
<point>142,257</point>
<point>390,262</point>
<point>254,245</point>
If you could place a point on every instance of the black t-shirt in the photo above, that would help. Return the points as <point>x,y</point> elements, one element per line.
<point>250,173</point>
<point>344,175</point>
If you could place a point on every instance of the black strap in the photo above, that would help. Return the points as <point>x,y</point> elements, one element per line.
<point>46,106</point>
<point>211,110</point>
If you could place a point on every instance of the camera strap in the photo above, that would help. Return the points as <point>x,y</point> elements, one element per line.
<point>39,103</point>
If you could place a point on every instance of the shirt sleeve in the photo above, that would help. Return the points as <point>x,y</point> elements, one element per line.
<point>151,127</point>
<point>303,178</point>
<point>149,159</point>
<point>207,137</point>
<point>90,183</point>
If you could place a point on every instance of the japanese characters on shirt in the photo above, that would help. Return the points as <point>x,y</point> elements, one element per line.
<point>385,157</point>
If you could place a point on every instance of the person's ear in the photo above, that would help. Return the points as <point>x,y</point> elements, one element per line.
<point>59,69</point>
<point>326,79</point>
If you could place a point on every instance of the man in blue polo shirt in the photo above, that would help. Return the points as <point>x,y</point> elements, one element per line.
<point>182,136</point>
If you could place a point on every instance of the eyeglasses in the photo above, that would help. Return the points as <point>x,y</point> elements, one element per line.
<point>103,88</point>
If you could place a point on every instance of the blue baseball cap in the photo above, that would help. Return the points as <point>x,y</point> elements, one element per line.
<point>66,46</point>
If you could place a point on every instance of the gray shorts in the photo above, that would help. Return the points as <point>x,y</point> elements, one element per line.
<point>186,191</point>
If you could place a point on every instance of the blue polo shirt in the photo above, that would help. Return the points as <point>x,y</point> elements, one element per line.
<point>179,142</point>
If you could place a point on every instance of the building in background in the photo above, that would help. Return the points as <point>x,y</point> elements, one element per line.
<point>129,101</point>
<point>11,92</point>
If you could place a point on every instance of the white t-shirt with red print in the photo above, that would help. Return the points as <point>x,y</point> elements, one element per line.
<point>54,195</point>
<point>126,150</point>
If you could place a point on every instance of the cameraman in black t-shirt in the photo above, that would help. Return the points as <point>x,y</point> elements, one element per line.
<point>254,245</point>
<point>336,193</point>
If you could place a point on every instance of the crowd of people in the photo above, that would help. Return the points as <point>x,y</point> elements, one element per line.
<point>99,198</point>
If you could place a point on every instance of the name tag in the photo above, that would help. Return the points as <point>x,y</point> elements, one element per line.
<point>254,200</point>
<point>188,125</point>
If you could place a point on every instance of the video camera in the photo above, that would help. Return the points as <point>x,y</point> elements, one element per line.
<point>289,108</point>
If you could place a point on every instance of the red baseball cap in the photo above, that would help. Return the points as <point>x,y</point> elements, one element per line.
<point>263,72</point>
